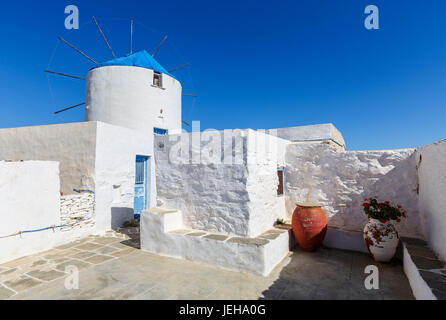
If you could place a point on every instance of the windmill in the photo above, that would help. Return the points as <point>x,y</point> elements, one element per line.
<point>132,91</point>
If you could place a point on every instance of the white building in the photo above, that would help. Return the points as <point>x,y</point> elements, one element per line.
<point>211,196</point>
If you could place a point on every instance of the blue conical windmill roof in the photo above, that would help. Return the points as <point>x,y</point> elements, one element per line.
<point>140,59</point>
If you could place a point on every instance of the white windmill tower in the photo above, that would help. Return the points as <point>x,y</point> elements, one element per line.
<point>133,91</point>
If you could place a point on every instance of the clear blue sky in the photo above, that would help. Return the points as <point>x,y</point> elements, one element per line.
<point>254,64</point>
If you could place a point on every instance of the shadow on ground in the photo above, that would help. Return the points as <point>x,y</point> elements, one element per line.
<point>333,274</point>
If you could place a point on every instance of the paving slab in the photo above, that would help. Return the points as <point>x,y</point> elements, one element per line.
<point>124,252</point>
<point>89,246</point>
<point>249,241</point>
<point>121,245</point>
<point>5,293</point>
<point>426,264</point>
<point>106,250</point>
<point>269,235</point>
<point>20,261</point>
<point>218,237</point>
<point>196,234</point>
<point>106,240</point>
<point>181,231</point>
<point>73,262</point>
<point>22,283</point>
<point>98,258</point>
<point>46,275</point>
<point>423,252</point>
<point>82,255</point>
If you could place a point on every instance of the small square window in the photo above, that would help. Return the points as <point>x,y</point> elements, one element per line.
<point>157,80</point>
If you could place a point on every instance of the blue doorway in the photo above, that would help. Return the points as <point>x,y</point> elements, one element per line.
<point>141,185</point>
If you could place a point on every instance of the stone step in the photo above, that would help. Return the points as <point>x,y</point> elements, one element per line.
<point>263,239</point>
<point>425,271</point>
<point>165,234</point>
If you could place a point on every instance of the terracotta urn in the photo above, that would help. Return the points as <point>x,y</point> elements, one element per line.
<point>381,239</point>
<point>309,225</point>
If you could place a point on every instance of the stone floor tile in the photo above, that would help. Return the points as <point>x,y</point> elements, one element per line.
<point>196,234</point>
<point>426,264</point>
<point>46,275</point>
<point>60,254</point>
<point>124,252</point>
<point>9,274</point>
<point>181,231</point>
<point>73,262</point>
<point>39,263</point>
<point>98,259</point>
<point>249,241</point>
<point>217,237</point>
<point>269,236</point>
<point>82,255</point>
<point>121,245</point>
<point>106,250</point>
<point>89,246</point>
<point>20,261</point>
<point>5,293</point>
<point>423,252</point>
<point>22,283</point>
<point>67,246</point>
<point>106,240</point>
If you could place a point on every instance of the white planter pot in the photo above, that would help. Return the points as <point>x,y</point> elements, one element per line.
<point>381,239</point>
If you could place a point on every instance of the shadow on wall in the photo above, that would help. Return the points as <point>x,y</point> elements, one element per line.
<point>119,215</point>
<point>341,181</point>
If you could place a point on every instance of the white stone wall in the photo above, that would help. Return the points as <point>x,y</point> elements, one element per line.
<point>71,144</point>
<point>318,133</point>
<point>29,200</point>
<point>341,182</point>
<point>231,196</point>
<point>431,160</point>
<point>77,212</point>
<point>116,151</point>
<point>265,154</point>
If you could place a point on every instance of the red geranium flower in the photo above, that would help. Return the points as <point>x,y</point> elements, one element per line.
<point>365,205</point>
<point>398,219</point>
<point>383,221</point>
<point>404,214</point>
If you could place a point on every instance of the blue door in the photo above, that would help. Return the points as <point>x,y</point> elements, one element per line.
<point>141,187</point>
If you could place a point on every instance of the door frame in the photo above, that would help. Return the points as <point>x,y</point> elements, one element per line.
<point>147,176</point>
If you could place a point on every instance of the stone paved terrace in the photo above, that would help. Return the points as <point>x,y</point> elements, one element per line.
<point>112,267</point>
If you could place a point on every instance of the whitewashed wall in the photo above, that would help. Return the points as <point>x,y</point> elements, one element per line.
<point>235,195</point>
<point>72,144</point>
<point>116,151</point>
<point>29,200</point>
<point>431,161</point>
<point>341,182</point>
<point>265,154</point>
